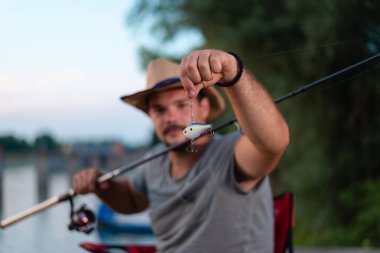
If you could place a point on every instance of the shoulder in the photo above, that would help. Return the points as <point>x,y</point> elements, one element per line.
<point>222,148</point>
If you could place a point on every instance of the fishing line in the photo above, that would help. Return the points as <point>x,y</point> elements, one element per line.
<point>311,85</point>
<point>337,83</point>
<point>304,49</point>
<point>191,147</point>
<point>191,111</point>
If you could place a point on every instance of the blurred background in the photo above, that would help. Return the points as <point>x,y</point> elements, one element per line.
<point>64,65</point>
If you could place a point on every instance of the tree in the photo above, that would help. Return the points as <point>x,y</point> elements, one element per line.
<point>45,142</point>
<point>11,143</point>
<point>332,162</point>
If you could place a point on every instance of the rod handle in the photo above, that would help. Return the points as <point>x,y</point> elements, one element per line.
<point>36,209</point>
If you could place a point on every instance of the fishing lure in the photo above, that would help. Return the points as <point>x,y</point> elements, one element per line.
<point>194,130</point>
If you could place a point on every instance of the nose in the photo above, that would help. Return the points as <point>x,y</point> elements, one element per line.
<point>171,115</point>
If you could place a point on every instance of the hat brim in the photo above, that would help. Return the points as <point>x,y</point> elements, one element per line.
<point>140,99</point>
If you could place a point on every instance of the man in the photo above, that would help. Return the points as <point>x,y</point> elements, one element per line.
<point>219,198</point>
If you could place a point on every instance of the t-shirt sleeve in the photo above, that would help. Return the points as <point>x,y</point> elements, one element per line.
<point>224,163</point>
<point>221,155</point>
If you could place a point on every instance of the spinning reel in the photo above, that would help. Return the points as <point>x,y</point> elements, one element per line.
<point>81,220</point>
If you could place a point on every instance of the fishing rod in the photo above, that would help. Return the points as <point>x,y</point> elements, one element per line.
<point>112,174</point>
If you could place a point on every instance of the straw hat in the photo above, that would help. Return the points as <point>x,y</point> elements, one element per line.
<point>162,75</point>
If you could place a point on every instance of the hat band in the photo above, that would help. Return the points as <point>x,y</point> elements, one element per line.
<point>166,82</point>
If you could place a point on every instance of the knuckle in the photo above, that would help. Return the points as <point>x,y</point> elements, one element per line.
<point>190,68</point>
<point>214,59</point>
<point>203,66</point>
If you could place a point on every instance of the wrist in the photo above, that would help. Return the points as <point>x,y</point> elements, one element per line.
<point>240,69</point>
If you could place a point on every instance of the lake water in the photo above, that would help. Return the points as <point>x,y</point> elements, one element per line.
<point>47,231</point>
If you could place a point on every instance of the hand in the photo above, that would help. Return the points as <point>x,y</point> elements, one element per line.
<point>204,68</point>
<point>85,181</point>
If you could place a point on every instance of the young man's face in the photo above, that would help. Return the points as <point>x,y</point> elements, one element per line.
<point>170,114</point>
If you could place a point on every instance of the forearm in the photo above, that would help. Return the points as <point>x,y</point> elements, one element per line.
<point>122,197</point>
<point>258,115</point>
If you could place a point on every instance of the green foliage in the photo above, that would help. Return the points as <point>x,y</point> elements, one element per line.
<point>43,142</point>
<point>332,164</point>
<point>11,143</point>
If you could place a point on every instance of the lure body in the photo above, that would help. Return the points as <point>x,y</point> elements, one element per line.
<point>194,130</point>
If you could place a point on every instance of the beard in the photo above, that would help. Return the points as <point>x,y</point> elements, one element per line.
<point>179,148</point>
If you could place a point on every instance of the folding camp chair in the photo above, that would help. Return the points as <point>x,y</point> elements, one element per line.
<point>107,248</point>
<point>284,222</point>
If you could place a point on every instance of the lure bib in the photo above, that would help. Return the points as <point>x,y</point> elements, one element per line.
<point>194,130</point>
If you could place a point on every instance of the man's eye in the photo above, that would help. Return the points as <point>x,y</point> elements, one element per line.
<point>183,105</point>
<point>159,110</point>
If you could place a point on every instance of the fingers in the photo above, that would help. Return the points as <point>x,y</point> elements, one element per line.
<point>204,67</point>
<point>216,63</point>
<point>187,83</point>
<point>85,181</point>
<point>200,69</point>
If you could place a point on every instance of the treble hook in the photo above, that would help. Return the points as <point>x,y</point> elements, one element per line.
<point>191,147</point>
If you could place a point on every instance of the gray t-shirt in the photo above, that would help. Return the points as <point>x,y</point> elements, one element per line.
<point>206,211</point>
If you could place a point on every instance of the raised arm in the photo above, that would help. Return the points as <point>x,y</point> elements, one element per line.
<point>266,134</point>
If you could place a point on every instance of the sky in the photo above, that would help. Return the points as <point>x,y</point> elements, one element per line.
<point>64,66</point>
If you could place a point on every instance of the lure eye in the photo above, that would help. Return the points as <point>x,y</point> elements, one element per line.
<point>185,131</point>
<point>191,129</point>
